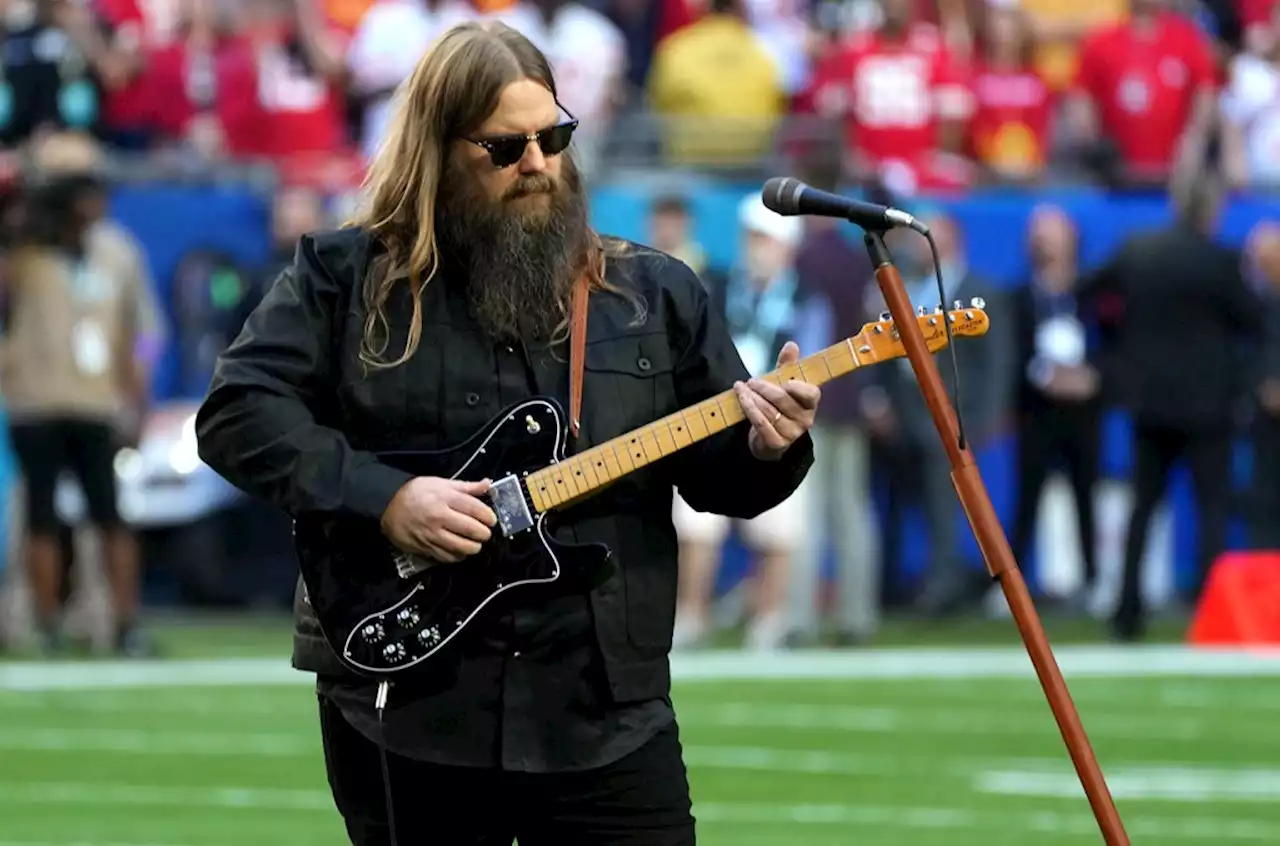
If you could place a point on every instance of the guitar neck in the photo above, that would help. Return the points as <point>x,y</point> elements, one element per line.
<point>582,474</point>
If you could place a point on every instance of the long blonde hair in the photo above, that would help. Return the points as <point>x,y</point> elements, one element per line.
<point>453,90</point>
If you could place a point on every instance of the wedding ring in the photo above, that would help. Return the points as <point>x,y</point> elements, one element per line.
<point>777,417</point>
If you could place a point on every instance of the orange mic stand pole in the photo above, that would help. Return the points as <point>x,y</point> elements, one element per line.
<point>993,543</point>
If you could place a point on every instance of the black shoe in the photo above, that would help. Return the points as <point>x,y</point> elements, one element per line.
<point>50,641</point>
<point>133,643</point>
<point>1128,628</point>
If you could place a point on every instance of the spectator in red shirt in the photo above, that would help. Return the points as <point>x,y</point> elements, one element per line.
<point>127,104</point>
<point>1255,19</point>
<point>1148,85</point>
<point>677,14</point>
<point>1013,105</point>
<point>204,84</point>
<point>903,99</point>
<point>301,78</point>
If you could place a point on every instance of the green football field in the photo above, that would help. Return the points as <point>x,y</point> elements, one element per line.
<point>911,746</point>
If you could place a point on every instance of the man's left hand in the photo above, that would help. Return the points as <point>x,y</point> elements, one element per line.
<point>779,416</point>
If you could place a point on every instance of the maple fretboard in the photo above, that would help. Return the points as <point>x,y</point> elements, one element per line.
<point>583,473</point>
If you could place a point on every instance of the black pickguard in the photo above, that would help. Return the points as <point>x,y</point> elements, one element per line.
<point>379,622</point>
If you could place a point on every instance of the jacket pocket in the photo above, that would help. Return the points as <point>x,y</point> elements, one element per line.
<point>628,383</point>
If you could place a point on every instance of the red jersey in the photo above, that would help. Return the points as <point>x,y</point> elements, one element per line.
<point>128,107</point>
<point>891,94</point>
<point>189,81</point>
<point>1254,12</point>
<point>676,14</point>
<point>1143,85</point>
<point>302,113</point>
<point>1012,113</point>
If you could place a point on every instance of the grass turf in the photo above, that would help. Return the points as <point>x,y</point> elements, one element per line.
<point>941,756</point>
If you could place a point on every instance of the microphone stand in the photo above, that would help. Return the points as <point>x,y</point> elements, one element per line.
<point>993,543</point>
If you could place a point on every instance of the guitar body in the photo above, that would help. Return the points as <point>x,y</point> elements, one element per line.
<point>380,622</point>
<point>384,613</point>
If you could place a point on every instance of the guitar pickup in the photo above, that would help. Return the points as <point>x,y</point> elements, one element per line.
<point>506,496</point>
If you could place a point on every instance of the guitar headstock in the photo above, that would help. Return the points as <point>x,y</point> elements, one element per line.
<point>880,341</point>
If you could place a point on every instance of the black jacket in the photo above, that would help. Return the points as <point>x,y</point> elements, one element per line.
<point>1178,322</point>
<point>293,417</point>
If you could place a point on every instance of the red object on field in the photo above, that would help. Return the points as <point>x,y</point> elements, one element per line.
<point>1240,605</point>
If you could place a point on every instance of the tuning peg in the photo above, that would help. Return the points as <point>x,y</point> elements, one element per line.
<point>886,316</point>
<point>978,302</point>
<point>957,305</point>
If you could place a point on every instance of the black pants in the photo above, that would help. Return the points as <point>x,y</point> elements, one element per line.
<point>1208,457</point>
<point>88,449</point>
<point>1265,506</point>
<point>1070,434</point>
<point>641,800</point>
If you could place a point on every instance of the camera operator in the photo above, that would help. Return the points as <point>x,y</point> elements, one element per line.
<point>80,314</point>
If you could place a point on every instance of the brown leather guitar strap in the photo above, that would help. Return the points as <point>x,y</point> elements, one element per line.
<point>577,350</point>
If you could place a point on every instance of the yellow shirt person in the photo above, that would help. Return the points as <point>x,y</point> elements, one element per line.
<point>718,91</point>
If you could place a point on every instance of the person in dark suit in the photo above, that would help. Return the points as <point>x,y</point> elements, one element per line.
<point>1056,386</point>
<point>1177,314</point>
<point>1264,260</point>
<point>900,419</point>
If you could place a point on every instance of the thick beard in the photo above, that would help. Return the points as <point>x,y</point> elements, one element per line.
<point>520,264</point>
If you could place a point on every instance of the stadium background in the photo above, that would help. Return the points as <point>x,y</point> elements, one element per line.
<point>936,734</point>
<point>171,220</point>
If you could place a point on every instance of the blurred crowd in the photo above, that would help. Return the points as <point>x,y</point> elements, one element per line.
<point>924,94</point>
<point>1174,328</point>
<point>900,98</point>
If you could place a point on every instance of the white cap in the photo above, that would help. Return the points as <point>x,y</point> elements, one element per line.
<point>754,216</point>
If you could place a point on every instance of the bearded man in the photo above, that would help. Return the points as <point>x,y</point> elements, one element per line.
<point>449,299</point>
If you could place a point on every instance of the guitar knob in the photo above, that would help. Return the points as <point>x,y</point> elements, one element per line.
<point>978,302</point>
<point>937,309</point>
<point>957,305</point>
<point>921,311</point>
<point>393,652</point>
<point>407,617</point>
<point>372,633</point>
<point>886,315</point>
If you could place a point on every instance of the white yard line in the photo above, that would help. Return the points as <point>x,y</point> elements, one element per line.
<point>969,719</point>
<point>1194,785</point>
<point>163,796</point>
<point>143,742</point>
<point>1144,828</point>
<point>1163,829</point>
<point>1049,776</point>
<point>995,662</point>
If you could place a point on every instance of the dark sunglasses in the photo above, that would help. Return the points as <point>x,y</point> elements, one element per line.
<point>506,150</point>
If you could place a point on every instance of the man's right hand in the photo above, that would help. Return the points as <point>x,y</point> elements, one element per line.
<point>441,519</point>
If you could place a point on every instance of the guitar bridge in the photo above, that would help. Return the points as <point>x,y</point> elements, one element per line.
<point>506,495</point>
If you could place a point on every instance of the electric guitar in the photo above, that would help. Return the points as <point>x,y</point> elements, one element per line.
<point>386,612</point>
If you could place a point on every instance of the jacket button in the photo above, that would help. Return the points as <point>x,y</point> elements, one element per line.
<point>643,363</point>
<point>473,400</point>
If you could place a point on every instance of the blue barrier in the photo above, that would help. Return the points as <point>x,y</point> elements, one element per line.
<point>172,220</point>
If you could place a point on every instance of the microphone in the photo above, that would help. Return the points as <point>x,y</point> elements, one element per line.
<point>788,197</point>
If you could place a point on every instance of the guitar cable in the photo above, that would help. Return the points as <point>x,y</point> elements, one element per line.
<point>379,705</point>
<point>951,341</point>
